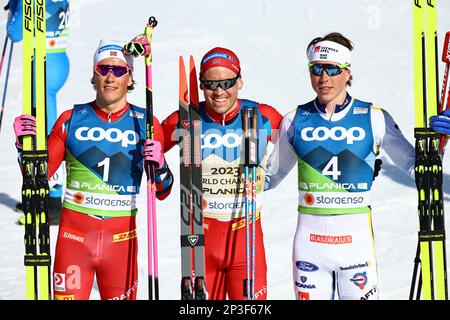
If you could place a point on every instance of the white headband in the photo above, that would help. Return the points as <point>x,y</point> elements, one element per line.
<point>112,49</point>
<point>329,51</point>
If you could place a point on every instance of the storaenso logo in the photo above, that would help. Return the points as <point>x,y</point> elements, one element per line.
<point>112,135</point>
<point>336,133</point>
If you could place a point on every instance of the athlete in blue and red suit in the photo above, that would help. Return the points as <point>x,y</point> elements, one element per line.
<point>57,69</point>
<point>101,142</point>
<point>223,188</point>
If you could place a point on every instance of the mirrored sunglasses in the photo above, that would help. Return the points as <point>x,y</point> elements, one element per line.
<point>104,69</point>
<point>224,84</point>
<point>331,69</point>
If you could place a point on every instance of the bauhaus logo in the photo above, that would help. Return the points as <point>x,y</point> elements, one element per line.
<point>336,133</point>
<point>113,135</point>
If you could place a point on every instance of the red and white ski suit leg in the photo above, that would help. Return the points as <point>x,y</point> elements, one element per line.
<point>225,260</point>
<point>88,246</point>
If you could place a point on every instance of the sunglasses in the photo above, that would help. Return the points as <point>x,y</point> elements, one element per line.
<point>104,69</point>
<point>224,84</point>
<point>331,69</point>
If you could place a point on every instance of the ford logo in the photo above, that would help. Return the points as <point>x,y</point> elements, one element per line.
<point>306,266</point>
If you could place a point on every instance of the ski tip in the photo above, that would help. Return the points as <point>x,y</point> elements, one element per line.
<point>193,84</point>
<point>183,86</point>
<point>181,60</point>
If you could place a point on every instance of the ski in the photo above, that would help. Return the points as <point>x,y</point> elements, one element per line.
<point>193,285</point>
<point>428,166</point>
<point>35,189</point>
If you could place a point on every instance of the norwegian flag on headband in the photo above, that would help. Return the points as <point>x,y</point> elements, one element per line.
<point>112,49</point>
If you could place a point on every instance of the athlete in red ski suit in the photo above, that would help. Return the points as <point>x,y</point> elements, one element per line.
<point>222,171</point>
<point>101,142</point>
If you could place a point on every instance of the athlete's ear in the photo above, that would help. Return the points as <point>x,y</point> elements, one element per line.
<point>202,87</point>
<point>240,82</point>
<point>130,80</point>
<point>93,83</point>
<point>348,76</point>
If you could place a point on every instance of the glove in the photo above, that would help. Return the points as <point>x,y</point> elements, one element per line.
<point>153,153</point>
<point>139,46</point>
<point>24,125</point>
<point>441,122</point>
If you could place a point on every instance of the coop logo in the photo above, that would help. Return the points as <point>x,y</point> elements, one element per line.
<point>111,135</point>
<point>336,133</point>
<point>306,266</point>
<point>214,140</point>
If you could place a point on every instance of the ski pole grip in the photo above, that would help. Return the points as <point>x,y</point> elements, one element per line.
<point>245,122</point>
<point>251,139</point>
<point>254,124</point>
<point>152,22</point>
